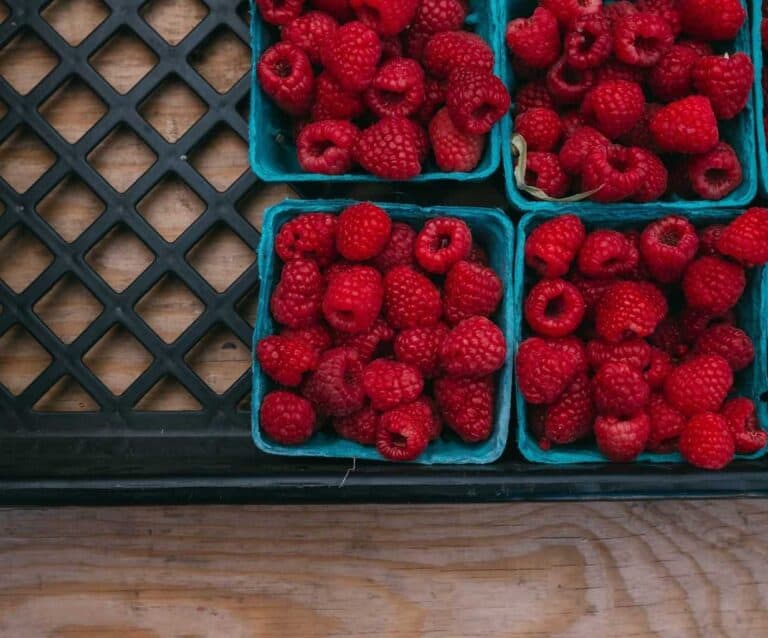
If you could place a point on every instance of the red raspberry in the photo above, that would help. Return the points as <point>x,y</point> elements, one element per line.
<point>280,12</point>
<point>568,11</point>
<point>589,43</point>
<point>309,31</point>
<point>712,19</point>
<point>554,308</point>
<point>740,415</point>
<point>476,347</point>
<point>746,238</point>
<point>441,243</point>
<point>618,171</point>
<point>573,153</point>
<point>666,9</point>
<point>285,360</point>
<point>454,151</point>
<point>410,299</point>
<point>713,285</point>
<point>436,16</point>
<point>420,347</point>
<point>566,85</point>
<point>672,78</point>
<point>614,106</point>
<point>399,248</point>
<point>541,128</point>
<point>434,98</point>
<point>351,55</point>
<point>285,75</point>
<point>360,427</point>
<point>391,149</point>
<point>316,336</point>
<point>686,126</point>
<point>423,410</point>
<point>367,343</point>
<point>635,352</point>
<point>397,88</point>
<point>622,439</point>
<point>476,100</point>
<point>715,174</point>
<point>571,416</point>
<point>693,323</point>
<point>362,231</point>
<point>726,80</point>
<point>414,41</point>
<point>707,442</point>
<point>615,70</point>
<point>730,342</point>
<point>386,17</point>
<point>551,247</point>
<point>592,290</point>
<point>391,383</point>
<point>629,309</point>
<point>544,370</point>
<point>640,135</point>
<point>699,384</point>
<point>607,253</point>
<point>454,49</point>
<point>298,296</point>
<point>336,387</point>
<point>466,406</point>
<point>353,299</point>
<point>666,422</point>
<point>471,289</point>
<point>702,48</point>
<point>668,337</point>
<point>391,47</point>
<point>657,370</point>
<point>308,236</point>
<point>532,95</point>
<point>286,418</point>
<point>535,40</point>
<point>339,9</point>
<point>334,103</point>
<point>620,390</point>
<point>326,147</point>
<point>543,171</point>
<point>667,246</point>
<point>708,238</point>
<point>751,441</point>
<point>657,179</point>
<point>401,436</point>
<point>617,10</point>
<point>642,39</point>
<point>572,348</point>
<point>571,121</point>
<point>478,256</point>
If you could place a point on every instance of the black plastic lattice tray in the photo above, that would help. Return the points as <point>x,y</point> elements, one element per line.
<point>121,455</point>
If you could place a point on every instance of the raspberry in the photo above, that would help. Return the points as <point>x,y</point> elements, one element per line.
<point>285,75</point>
<point>309,32</point>
<point>740,415</point>
<point>712,19</point>
<point>386,17</point>
<point>543,171</point>
<point>397,89</point>
<point>471,289</point>
<point>622,439</point>
<point>607,253</point>
<point>667,246</point>
<point>308,236</point>
<point>615,106</point>
<point>353,299</point>
<point>410,299</point>
<point>478,255</point>
<point>351,55</point>
<point>285,360</point>
<point>573,349</point>
<point>656,180</point>
<point>423,410</point>
<point>566,85</point>
<point>476,347</point>
<point>640,134</point>
<point>466,406</point>
<point>391,48</point>
<point>316,336</point>
<point>702,48</point>
<point>672,78</point>
<point>573,153</point>
<point>441,243</point>
<point>589,43</point>
<point>686,126</point>
<point>286,418</point>
<point>533,95</point>
<point>535,40</point>
<point>568,11</point>
<point>414,41</point>
<point>339,9</point>
<point>635,352</point>
<point>726,80</point>
<point>699,384</point>
<point>693,323</point>
<point>360,427</point>
<point>618,171</point>
<point>297,298</point>
<point>707,442</point>
<point>668,337</point>
<point>708,238</point>
<point>592,290</point>
<point>715,174</point>
<point>551,247</point>
<point>571,122</point>
<point>554,308</point>
<point>280,12</point>
<point>541,128</point>
<point>398,250</point>
<point>454,151</point>
<point>391,383</point>
<point>420,347</point>
<point>476,100</point>
<point>666,9</point>
<point>544,370</point>
<point>617,10</point>
<point>434,98</point>
<point>620,390</point>
<point>391,149</point>
<point>746,238</point>
<point>367,343</point>
<point>666,422</point>
<point>336,388</point>
<point>401,436</point>
<point>713,285</point>
<point>730,342</point>
<point>454,49</point>
<point>571,416</point>
<point>642,39</point>
<point>334,103</point>
<point>658,368</point>
<point>615,70</point>
<point>326,147</point>
<point>362,231</point>
<point>629,309</point>
<point>436,16</point>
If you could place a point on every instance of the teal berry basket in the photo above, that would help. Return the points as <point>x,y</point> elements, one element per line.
<point>272,152</point>
<point>739,132</point>
<point>494,231</point>
<point>752,310</point>
<point>756,17</point>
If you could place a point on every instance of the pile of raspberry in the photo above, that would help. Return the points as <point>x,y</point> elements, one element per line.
<point>382,84</point>
<point>637,340</point>
<point>385,333</point>
<point>624,100</point>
